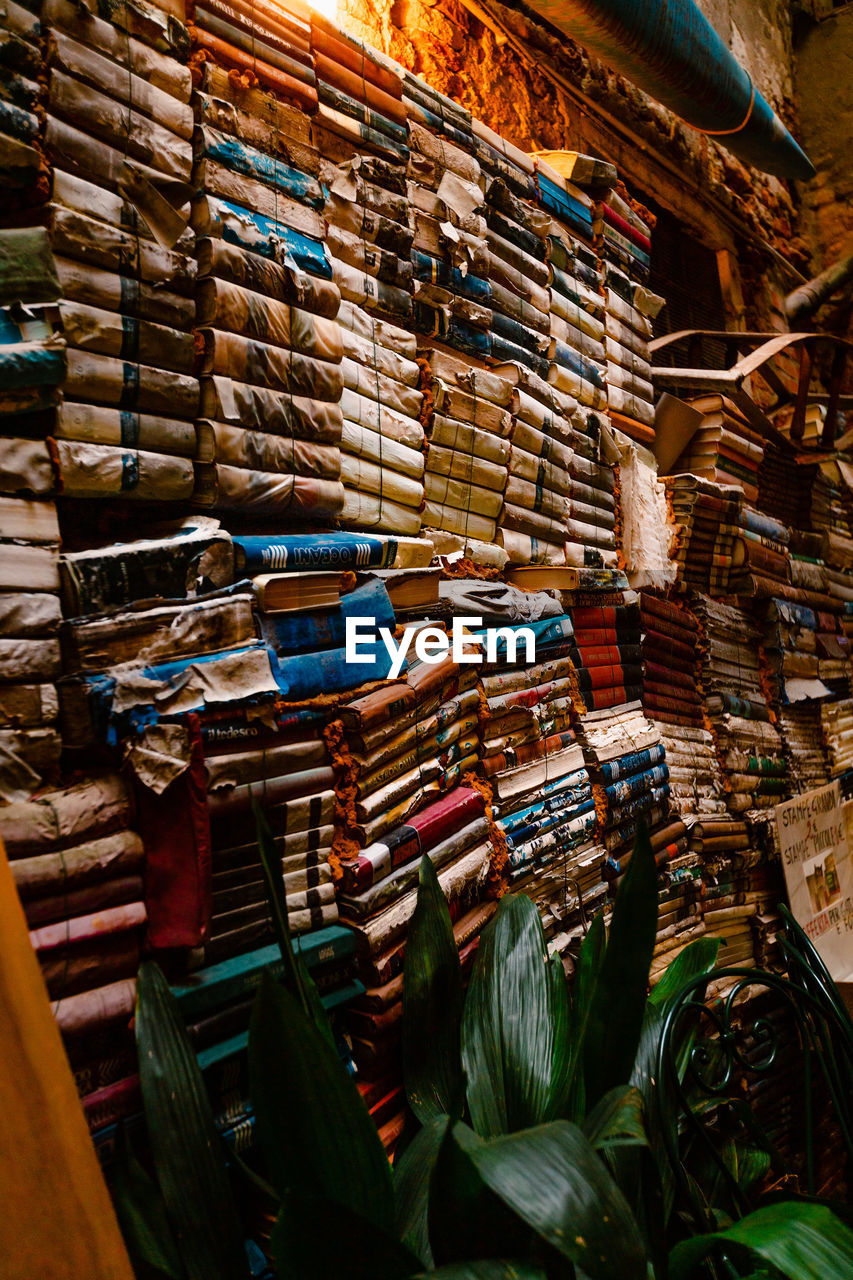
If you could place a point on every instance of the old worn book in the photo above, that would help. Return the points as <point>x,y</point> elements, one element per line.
<point>97,424</point>
<point>219,485</point>
<point>265,276</point>
<point>289,592</point>
<point>265,409</point>
<point>225,305</point>
<point>29,568</point>
<point>105,471</point>
<point>25,467</point>
<point>411,588</point>
<point>26,266</point>
<point>261,451</point>
<point>30,521</point>
<point>177,562</point>
<point>86,283</point>
<point>150,635</point>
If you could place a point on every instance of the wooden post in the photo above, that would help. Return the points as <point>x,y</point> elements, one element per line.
<point>798,422</point>
<point>836,377</point>
<point>58,1221</point>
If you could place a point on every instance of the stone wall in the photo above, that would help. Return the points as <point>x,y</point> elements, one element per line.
<point>543,91</point>
<point>825,86</point>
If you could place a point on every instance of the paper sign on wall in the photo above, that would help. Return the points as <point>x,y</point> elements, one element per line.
<point>816,836</point>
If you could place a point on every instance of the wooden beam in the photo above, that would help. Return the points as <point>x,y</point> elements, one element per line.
<point>798,422</point>
<point>57,1220</point>
<point>836,377</point>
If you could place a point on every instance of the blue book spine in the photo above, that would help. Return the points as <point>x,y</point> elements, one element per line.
<point>765,526</point>
<point>511,329</point>
<point>568,287</point>
<point>242,158</point>
<point>435,271</point>
<point>302,632</point>
<point>522,183</point>
<point>579,819</point>
<point>440,125</point>
<point>626,788</point>
<point>517,235</point>
<point>374,120</point>
<point>22,365</point>
<point>578,793</point>
<point>573,360</point>
<point>632,809</point>
<point>509,352</point>
<point>436,324</point>
<point>306,675</point>
<point>800,613</point>
<point>252,231</point>
<point>101,688</point>
<point>314,551</point>
<point>612,770</point>
<point>576,259</point>
<point>556,193</point>
<point>546,631</point>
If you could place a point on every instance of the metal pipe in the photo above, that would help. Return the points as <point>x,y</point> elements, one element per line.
<point>804,301</point>
<point>670,50</point>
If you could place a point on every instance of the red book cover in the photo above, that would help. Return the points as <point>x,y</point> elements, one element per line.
<point>422,832</point>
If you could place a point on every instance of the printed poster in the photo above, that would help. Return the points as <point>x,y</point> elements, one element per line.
<point>816,836</point>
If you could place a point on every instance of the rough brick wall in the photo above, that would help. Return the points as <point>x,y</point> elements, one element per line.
<point>825,85</point>
<point>478,66</point>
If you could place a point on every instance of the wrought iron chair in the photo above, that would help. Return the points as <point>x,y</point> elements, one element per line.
<point>731,1131</point>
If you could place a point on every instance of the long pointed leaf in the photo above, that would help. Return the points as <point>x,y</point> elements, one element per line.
<point>507,1032</point>
<point>412,1177</point>
<point>583,989</point>
<point>617,1120</point>
<point>660,1197</point>
<point>318,1240</point>
<point>492,1269</point>
<point>314,1128</point>
<point>432,1005</point>
<point>142,1216</point>
<point>804,1241</point>
<point>553,1179</point>
<point>184,1142</point>
<point>696,958</point>
<point>619,1001</point>
<point>561,1063</point>
<point>467,1221</point>
<point>295,977</point>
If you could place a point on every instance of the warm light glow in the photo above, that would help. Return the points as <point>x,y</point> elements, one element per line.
<point>328,8</point>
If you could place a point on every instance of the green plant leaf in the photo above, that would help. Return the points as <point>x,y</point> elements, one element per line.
<point>618,1003</point>
<point>467,1221</point>
<point>412,1176</point>
<point>432,1005</point>
<point>295,977</point>
<point>617,1120</point>
<point>314,1129</point>
<point>316,1239</point>
<point>583,988</point>
<point>644,1077</point>
<point>554,1180</point>
<point>747,1163</point>
<point>507,1029</point>
<point>803,1241</point>
<point>142,1216</point>
<point>697,957</point>
<point>491,1269</point>
<point>185,1145</point>
<point>561,1062</point>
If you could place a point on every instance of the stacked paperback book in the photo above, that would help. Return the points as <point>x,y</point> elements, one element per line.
<point>390,361</point>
